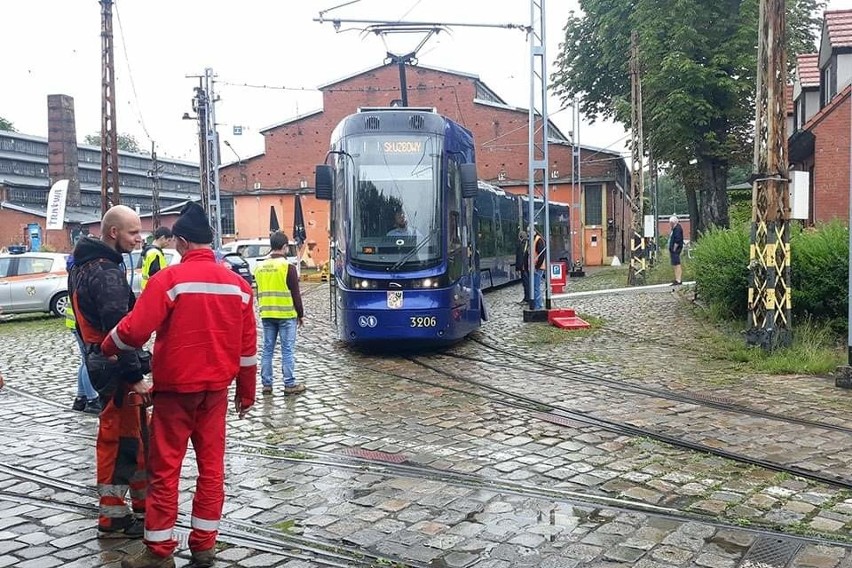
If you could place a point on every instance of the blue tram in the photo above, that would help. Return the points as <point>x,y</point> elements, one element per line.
<point>415,237</point>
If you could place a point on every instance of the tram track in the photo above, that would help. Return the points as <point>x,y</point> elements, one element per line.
<point>233,532</point>
<point>554,413</point>
<point>557,413</point>
<point>247,534</point>
<point>708,401</point>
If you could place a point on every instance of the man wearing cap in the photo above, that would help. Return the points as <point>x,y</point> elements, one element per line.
<point>203,315</point>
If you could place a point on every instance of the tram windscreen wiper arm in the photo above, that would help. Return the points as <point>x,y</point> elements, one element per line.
<point>411,253</point>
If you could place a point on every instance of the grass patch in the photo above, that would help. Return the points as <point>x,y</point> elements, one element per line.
<point>286,526</point>
<point>546,334</point>
<point>815,351</point>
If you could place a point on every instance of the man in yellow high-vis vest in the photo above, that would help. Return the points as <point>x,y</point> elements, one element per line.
<point>281,311</point>
<point>154,259</point>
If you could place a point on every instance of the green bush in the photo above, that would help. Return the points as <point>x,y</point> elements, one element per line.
<point>820,268</point>
<point>720,262</point>
<point>820,264</point>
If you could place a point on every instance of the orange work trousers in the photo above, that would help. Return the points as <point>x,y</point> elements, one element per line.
<point>121,455</point>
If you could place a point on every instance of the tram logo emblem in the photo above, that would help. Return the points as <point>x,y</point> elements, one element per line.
<point>367,321</point>
<point>395,299</point>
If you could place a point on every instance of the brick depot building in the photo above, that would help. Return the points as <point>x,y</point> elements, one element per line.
<point>820,139</point>
<point>294,147</point>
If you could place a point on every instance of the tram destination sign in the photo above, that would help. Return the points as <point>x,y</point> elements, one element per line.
<point>403,147</point>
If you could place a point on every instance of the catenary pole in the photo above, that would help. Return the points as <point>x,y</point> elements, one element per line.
<point>538,156</point>
<point>110,194</point>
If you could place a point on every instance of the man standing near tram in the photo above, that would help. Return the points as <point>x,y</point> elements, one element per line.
<point>153,259</point>
<point>538,246</point>
<point>280,304</point>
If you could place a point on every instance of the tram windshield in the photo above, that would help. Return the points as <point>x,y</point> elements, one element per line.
<point>396,202</point>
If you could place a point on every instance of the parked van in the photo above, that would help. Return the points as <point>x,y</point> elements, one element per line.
<point>258,249</point>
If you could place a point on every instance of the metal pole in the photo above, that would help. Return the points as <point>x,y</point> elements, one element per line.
<point>545,142</point>
<point>843,377</point>
<point>580,223</point>
<point>531,167</point>
<point>215,161</point>
<point>849,295</point>
<point>572,210</point>
<point>538,88</point>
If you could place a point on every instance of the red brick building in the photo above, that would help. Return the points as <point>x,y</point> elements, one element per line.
<point>294,147</point>
<point>820,143</point>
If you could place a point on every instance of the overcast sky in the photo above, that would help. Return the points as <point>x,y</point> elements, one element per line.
<point>53,46</point>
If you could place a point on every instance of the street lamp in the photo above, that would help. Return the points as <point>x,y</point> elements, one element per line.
<point>240,165</point>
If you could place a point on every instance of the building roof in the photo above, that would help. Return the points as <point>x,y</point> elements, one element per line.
<point>807,70</point>
<point>328,86</point>
<point>290,120</point>
<point>838,25</point>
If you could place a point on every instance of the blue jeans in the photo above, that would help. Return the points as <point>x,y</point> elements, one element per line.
<point>84,385</point>
<point>537,280</point>
<point>273,329</point>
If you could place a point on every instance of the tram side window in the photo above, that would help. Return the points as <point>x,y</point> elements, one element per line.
<point>455,200</point>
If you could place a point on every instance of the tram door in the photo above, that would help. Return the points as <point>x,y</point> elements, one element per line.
<point>461,244</point>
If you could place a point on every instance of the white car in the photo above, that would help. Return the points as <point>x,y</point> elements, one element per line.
<point>33,282</point>
<point>133,263</point>
<point>258,249</point>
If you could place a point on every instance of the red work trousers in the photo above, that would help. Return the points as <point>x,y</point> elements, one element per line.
<point>121,449</point>
<point>177,419</point>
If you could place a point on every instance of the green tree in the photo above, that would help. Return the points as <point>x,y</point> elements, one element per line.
<point>126,142</point>
<point>699,60</point>
<point>6,125</point>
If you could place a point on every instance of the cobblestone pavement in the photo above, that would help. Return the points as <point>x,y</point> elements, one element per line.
<point>369,467</point>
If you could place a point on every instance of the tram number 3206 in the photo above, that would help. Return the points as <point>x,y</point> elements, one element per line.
<point>423,321</point>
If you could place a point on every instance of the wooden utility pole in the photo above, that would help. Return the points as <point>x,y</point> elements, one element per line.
<point>109,137</point>
<point>638,267</point>
<point>769,293</point>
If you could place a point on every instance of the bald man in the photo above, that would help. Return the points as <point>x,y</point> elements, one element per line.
<point>101,297</point>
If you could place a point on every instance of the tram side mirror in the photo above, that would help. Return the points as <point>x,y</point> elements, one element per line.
<point>324,182</point>
<point>469,181</point>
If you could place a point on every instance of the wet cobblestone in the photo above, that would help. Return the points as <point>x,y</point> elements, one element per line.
<point>483,484</point>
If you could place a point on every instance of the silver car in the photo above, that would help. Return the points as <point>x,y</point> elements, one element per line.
<point>33,282</point>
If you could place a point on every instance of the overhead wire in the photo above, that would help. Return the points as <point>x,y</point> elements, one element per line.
<point>138,105</point>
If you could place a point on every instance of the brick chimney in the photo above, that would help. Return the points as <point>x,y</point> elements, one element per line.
<point>62,162</point>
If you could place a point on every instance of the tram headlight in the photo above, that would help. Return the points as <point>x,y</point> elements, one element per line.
<point>434,282</point>
<point>363,283</point>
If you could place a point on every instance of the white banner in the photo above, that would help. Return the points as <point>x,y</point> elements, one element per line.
<point>56,204</point>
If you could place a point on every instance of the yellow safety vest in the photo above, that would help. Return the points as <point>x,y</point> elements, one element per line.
<point>274,299</point>
<point>70,320</point>
<point>151,255</point>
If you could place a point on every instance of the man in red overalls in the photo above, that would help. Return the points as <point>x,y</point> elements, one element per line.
<point>101,297</point>
<point>203,315</point>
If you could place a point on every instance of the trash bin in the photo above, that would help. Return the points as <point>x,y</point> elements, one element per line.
<point>558,275</point>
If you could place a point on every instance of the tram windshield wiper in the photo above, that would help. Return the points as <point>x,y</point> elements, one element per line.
<point>412,252</point>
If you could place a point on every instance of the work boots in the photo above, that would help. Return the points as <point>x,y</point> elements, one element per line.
<point>203,558</point>
<point>127,527</point>
<point>147,559</point>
